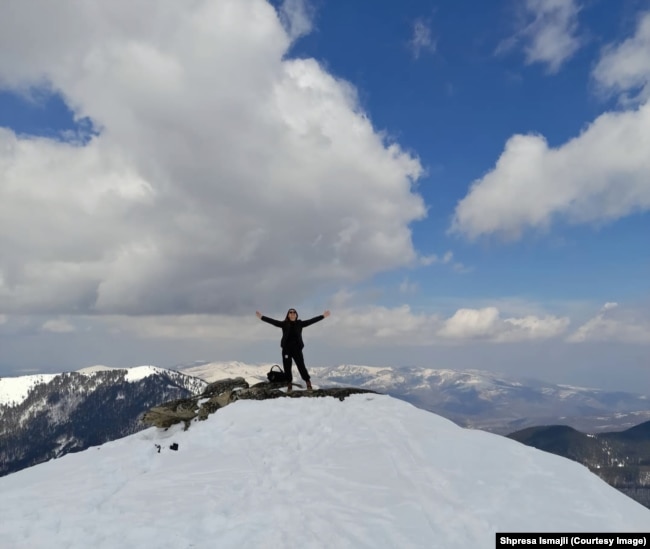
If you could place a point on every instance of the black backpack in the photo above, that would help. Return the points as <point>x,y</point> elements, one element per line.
<point>276,376</point>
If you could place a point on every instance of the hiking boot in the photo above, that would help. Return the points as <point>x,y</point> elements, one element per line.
<point>309,385</point>
<point>289,388</point>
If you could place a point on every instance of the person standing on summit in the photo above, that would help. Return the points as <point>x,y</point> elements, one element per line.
<point>292,343</point>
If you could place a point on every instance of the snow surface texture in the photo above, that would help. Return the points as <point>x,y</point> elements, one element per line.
<point>371,471</point>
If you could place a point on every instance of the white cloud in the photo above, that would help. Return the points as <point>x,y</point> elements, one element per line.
<point>434,258</point>
<point>376,325</point>
<point>446,259</point>
<point>58,325</point>
<point>548,31</point>
<point>624,69</point>
<point>297,17</point>
<point>422,40</point>
<point>402,326</point>
<point>408,287</point>
<point>379,325</point>
<point>599,176</point>
<point>487,324</point>
<point>471,323</point>
<point>361,326</point>
<point>614,324</point>
<point>358,326</point>
<point>602,175</point>
<point>226,177</point>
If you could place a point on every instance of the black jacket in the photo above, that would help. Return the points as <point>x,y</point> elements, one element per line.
<point>288,327</point>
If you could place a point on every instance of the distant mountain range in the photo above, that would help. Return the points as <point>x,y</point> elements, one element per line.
<point>471,398</point>
<point>46,416</point>
<point>622,459</point>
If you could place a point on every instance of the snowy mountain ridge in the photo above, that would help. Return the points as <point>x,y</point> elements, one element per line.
<point>14,390</point>
<point>46,416</point>
<point>381,376</point>
<point>371,471</point>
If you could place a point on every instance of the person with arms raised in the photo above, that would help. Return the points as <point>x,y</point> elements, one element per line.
<point>292,343</point>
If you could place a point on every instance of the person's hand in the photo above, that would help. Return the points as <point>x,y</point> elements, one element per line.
<point>258,314</point>
<point>326,314</point>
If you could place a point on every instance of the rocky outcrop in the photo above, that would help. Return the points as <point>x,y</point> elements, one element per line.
<point>223,392</point>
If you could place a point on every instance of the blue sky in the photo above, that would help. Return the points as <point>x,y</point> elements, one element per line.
<point>456,102</point>
<point>464,184</point>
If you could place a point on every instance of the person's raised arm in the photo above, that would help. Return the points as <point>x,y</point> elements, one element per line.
<point>268,319</point>
<point>318,318</point>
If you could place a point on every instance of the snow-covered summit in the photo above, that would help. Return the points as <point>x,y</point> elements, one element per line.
<point>14,390</point>
<point>140,372</point>
<point>89,370</point>
<point>135,373</point>
<point>371,471</point>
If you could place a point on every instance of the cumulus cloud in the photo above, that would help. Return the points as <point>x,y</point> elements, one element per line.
<point>624,69</point>
<point>602,175</point>
<point>359,326</point>
<point>487,324</point>
<point>599,176</point>
<point>548,32</point>
<point>614,323</point>
<point>224,176</point>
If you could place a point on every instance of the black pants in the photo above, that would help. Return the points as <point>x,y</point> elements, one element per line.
<point>296,355</point>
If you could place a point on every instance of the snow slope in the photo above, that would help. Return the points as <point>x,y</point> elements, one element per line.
<point>14,390</point>
<point>370,471</point>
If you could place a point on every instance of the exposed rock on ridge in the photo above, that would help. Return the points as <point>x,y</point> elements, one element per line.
<point>223,392</point>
